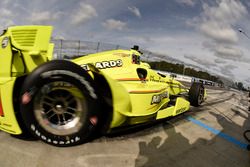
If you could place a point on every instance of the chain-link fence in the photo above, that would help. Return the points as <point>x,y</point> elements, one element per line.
<point>68,49</point>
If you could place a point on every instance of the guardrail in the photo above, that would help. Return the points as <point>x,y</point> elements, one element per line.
<point>189,79</point>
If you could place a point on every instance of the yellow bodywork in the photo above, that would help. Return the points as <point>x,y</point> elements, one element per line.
<point>8,122</point>
<point>139,94</point>
<point>33,42</point>
<point>22,49</point>
<point>132,95</point>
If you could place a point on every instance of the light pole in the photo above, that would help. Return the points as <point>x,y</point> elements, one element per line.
<point>243,32</point>
<point>183,72</point>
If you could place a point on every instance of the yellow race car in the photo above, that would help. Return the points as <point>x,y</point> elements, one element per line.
<point>65,103</point>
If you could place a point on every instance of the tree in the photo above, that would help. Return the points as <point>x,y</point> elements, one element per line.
<point>240,85</point>
<point>179,68</point>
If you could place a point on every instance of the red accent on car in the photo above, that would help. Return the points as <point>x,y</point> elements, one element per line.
<point>26,98</point>
<point>94,120</point>
<point>128,79</point>
<point>1,108</point>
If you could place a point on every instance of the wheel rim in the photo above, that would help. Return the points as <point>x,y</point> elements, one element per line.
<point>60,108</point>
<point>201,96</point>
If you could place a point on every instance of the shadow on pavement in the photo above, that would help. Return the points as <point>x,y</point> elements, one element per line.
<point>177,151</point>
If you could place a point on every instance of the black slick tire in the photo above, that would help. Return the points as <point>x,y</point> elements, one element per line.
<point>196,94</point>
<point>59,104</point>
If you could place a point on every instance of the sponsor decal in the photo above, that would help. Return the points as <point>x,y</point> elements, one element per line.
<point>105,64</point>
<point>109,64</point>
<point>155,79</point>
<point>122,54</point>
<point>74,75</point>
<point>5,42</point>
<point>181,110</point>
<point>158,98</point>
<point>85,67</point>
<point>62,84</point>
<point>7,125</point>
<point>43,137</point>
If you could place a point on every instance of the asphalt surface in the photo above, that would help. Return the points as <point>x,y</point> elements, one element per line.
<point>203,137</point>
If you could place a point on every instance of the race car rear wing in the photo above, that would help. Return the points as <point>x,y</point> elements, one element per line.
<point>33,42</point>
<point>22,49</point>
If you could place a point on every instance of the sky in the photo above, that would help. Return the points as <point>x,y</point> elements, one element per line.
<point>211,34</point>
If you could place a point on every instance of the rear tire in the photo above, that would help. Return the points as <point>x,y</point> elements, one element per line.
<point>59,104</point>
<point>196,94</point>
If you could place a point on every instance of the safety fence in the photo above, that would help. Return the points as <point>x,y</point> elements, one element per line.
<point>69,49</point>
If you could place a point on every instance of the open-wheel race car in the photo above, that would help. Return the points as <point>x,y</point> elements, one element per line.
<point>65,103</point>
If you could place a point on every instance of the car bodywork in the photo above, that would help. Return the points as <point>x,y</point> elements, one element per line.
<point>22,49</point>
<point>139,94</point>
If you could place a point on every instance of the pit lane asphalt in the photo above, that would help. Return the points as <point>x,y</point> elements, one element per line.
<point>176,142</point>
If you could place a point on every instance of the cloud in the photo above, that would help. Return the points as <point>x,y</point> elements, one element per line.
<point>84,13</point>
<point>228,52</point>
<point>112,24</point>
<point>209,45</point>
<point>5,13</point>
<point>187,2</point>
<point>227,70</point>
<point>139,39</point>
<point>135,11</point>
<point>203,62</point>
<point>5,2</point>
<point>247,80</point>
<point>219,61</point>
<point>5,23</point>
<point>58,37</point>
<point>43,17</point>
<point>216,23</point>
<point>7,16</point>
<point>226,11</point>
<point>218,32</point>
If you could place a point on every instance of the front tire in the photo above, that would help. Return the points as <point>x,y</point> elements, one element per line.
<point>59,104</point>
<point>196,94</point>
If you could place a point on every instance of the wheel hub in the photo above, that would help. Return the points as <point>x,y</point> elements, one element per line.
<point>60,110</point>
